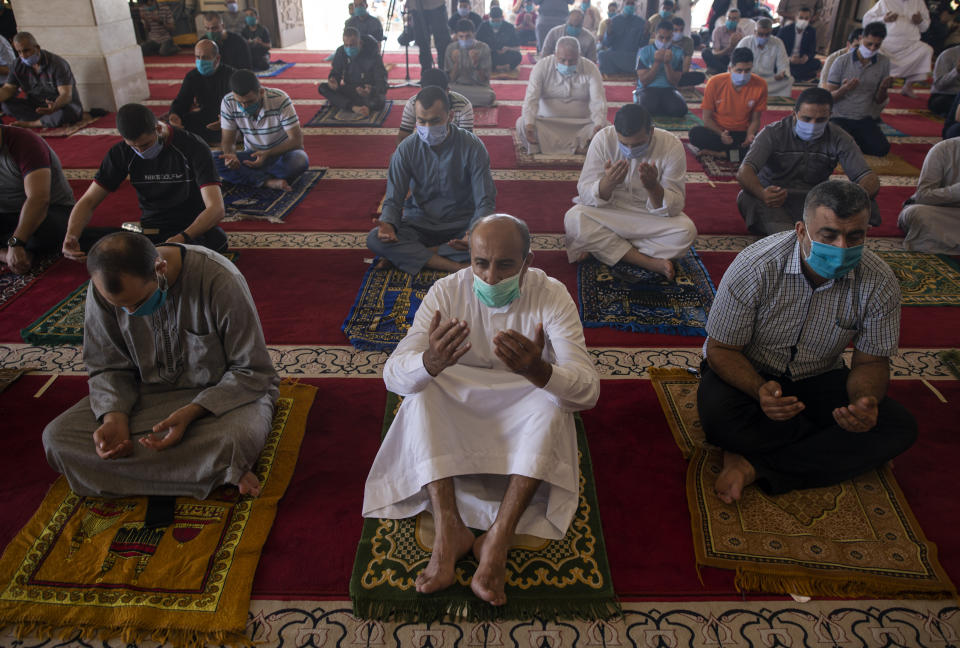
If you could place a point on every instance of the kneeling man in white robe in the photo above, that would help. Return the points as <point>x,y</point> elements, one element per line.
<point>565,105</point>
<point>492,371</point>
<point>631,196</point>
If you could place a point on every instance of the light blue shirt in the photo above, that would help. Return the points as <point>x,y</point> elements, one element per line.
<point>645,62</point>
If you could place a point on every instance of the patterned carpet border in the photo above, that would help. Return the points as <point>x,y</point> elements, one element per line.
<point>12,285</point>
<point>925,279</point>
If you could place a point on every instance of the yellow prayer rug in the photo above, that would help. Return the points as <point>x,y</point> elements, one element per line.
<point>925,279</point>
<point>88,567</point>
<point>857,539</point>
<point>890,165</point>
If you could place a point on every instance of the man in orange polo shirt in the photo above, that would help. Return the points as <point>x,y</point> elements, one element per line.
<point>732,104</point>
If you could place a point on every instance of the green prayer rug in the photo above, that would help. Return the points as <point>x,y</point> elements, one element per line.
<point>63,324</point>
<point>684,123</point>
<point>568,578</point>
<point>925,279</point>
<point>781,101</point>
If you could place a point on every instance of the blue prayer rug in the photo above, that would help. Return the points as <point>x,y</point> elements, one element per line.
<point>263,203</point>
<point>630,298</point>
<point>331,116</point>
<point>276,67</point>
<point>385,306</point>
<point>890,131</point>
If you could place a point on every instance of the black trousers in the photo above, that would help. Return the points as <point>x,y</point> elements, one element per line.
<point>196,122</point>
<point>427,22</point>
<point>939,104</point>
<point>510,57</point>
<point>704,138</point>
<point>259,57</point>
<point>809,450</point>
<point>172,224</point>
<point>691,79</point>
<point>719,62</point>
<point>866,133</point>
<point>661,101</point>
<point>47,238</point>
<point>346,97</point>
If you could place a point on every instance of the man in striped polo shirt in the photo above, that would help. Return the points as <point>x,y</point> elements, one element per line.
<point>776,394</point>
<point>273,154</point>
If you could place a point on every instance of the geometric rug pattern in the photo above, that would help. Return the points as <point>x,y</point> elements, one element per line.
<point>925,279</point>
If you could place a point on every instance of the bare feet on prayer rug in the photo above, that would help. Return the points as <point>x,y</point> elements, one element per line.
<point>488,581</point>
<point>383,264</point>
<point>737,474</point>
<point>249,485</point>
<point>666,268</point>
<point>449,546</point>
<point>278,183</point>
<point>583,257</point>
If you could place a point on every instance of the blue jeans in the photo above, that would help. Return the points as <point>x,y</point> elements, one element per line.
<point>287,167</point>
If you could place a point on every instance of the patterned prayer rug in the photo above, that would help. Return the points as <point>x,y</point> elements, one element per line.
<point>385,306</point>
<point>63,324</point>
<point>332,116</point>
<point>244,202</point>
<point>12,284</point>
<point>691,95</point>
<point>715,168</point>
<point>486,116</point>
<point>925,279</point>
<point>11,375</point>
<point>505,75</point>
<point>567,578</point>
<point>684,123</point>
<point>276,67</point>
<point>88,567</point>
<point>891,164</point>
<point>539,160</point>
<point>855,539</point>
<point>781,101</point>
<point>951,360</point>
<point>69,129</point>
<point>630,298</point>
<point>890,131</point>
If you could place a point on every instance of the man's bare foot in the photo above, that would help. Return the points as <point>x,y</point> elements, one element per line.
<point>362,110</point>
<point>449,546</point>
<point>249,485</point>
<point>383,264</point>
<point>583,257</point>
<point>653,264</point>
<point>278,183</point>
<point>737,474</point>
<point>491,575</point>
<point>28,124</point>
<point>666,268</point>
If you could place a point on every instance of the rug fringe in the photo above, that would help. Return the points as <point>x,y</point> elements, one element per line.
<point>176,637</point>
<point>429,610</point>
<point>823,587</point>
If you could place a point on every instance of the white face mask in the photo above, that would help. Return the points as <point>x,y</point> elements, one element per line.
<point>802,24</point>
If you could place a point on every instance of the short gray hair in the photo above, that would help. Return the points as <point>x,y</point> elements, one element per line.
<point>843,198</point>
<point>568,42</point>
<point>522,228</point>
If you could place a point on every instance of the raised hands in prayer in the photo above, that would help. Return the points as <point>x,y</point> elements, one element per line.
<point>614,174</point>
<point>364,90</point>
<point>168,432</point>
<point>775,405</point>
<point>448,343</point>
<point>522,355</point>
<point>530,131</point>
<point>648,176</point>
<point>663,56</point>
<point>916,18</point>
<point>891,16</point>
<point>112,439</point>
<point>774,196</point>
<point>860,416</point>
<point>474,56</point>
<point>333,83</point>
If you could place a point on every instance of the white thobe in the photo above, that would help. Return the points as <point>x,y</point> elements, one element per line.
<point>769,61</point>
<point>909,56</point>
<point>564,108</point>
<point>932,223</point>
<point>477,421</point>
<point>609,228</point>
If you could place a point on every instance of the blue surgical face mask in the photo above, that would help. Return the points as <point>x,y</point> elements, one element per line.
<point>611,14</point>
<point>151,152</point>
<point>865,52</point>
<point>677,36</point>
<point>629,9</point>
<point>808,131</point>
<point>253,110</point>
<point>499,294</point>
<point>463,12</point>
<point>830,261</point>
<point>496,24</point>
<point>528,6</point>
<point>467,42</point>
<point>359,12</point>
<point>584,5</point>
<point>731,25</point>
<point>351,52</point>
<point>573,31</point>
<point>205,67</point>
<point>566,70</point>
<point>31,60</point>
<point>153,302</point>
<point>252,20</point>
<point>762,40</point>
<point>659,44</point>
<point>740,78</point>
<point>633,152</point>
<point>665,14</point>
<point>433,135</point>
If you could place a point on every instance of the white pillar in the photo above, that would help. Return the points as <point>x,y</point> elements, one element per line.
<point>96,38</point>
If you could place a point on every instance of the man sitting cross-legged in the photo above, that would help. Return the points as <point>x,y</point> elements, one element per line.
<point>770,60</point>
<point>492,370</point>
<point>659,68</point>
<point>172,172</point>
<point>182,387</point>
<point>197,105</point>
<point>932,220</point>
<point>631,195</point>
<point>358,80</point>
<point>460,107</point>
<point>46,80</point>
<point>775,393</point>
<point>468,65</point>
<point>573,28</point>
<point>446,171</point>
<point>732,106</point>
<point>273,155</point>
<point>564,106</point>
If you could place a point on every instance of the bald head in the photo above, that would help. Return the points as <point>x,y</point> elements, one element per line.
<point>505,230</point>
<point>206,49</point>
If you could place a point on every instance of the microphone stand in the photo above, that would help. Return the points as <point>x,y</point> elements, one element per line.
<point>406,48</point>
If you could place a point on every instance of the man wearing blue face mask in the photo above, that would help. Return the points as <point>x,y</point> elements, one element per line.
<point>726,37</point>
<point>612,10</point>
<point>446,171</point>
<point>273,154</point>
<point>775,393</point>
<point>366,23</point>
<point>468,64</point>
<point>790,157</point>
<point>501,37</point>
<point>182,388</point>
<point>173,173</point>
<point>591,16</point>
<point>464,12</point>
<point>197,105</point>
<point>233,48</point>
<point>358,79</point>
<point>631,196</point>
<point>258,40</point>
<point>770,60</point>
<point>659,68</point>
<point>491,372</point>
<point>47,81</point>
<point>626,34</point>
<point>574,29</point>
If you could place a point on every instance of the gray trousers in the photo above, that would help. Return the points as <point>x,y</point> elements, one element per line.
<point>411,251</point>
<point>26,110</point>
<point>215,450</point>
<point>545,24</point>
<point>478,95</point>
<point>764,221</point>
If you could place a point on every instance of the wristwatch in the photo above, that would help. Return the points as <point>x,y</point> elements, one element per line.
<point>13,241</point>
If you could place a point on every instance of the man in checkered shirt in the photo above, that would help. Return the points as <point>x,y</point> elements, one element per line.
<point>775,393</point>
